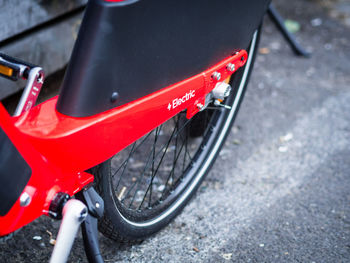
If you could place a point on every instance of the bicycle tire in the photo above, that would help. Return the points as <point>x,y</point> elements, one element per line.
<point>127,223</point>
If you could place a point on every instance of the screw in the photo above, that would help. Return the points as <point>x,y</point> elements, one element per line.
<point>114,97</point>
<point>216,75</point>
<point>97,205</point>
<point>218,103</point>
<point>40,78</point>
<point>25,199</point>
<point>230,67</point>
<point>242,58</point>
<point>83,215</point>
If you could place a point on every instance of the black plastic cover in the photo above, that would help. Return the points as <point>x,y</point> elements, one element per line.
<point>134,48</point>
<point>14,174</point>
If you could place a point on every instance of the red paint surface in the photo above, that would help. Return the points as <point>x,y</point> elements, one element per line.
<point>59,148</point>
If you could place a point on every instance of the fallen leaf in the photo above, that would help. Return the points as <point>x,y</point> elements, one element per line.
<point>196,249</point>
<point>52,240</point>
<point>236,141</point>
<point>264,50</point>
<point>292,26</point>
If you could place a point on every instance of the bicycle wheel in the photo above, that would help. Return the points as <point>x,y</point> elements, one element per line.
<point>147,184</point>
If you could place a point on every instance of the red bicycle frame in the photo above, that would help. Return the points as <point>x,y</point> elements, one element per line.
<point>59,148</point>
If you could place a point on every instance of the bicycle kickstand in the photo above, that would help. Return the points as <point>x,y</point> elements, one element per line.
<point>278,20</point>
<point>95,205</point>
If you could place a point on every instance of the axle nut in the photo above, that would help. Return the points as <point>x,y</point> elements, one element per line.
<point>221,90</point>
<point>230,67</point>
<point>216,75</point>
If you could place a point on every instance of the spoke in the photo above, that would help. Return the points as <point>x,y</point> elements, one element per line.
<point>173,169</point>
<point>132,153</point>
<point>184,161</point>
<point>125,164</point>
<point>157,131</point>
<point>160,162</point>
<point>154,153</point>
<point>207,118</point>
<point>175,158</point>
<point>148,163</point>
<point>207,123</point>
<point>187,151</point>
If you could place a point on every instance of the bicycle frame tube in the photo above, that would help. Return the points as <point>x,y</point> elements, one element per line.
<point>58,148</point>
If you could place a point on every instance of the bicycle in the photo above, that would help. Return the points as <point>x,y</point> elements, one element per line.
<point>145,177</point>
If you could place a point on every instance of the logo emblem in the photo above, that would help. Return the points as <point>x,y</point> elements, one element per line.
<point>178,101</point>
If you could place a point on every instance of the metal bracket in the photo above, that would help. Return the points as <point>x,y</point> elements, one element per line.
<point>15,69</point>
<point>209,79</point>
<point>31,91</point>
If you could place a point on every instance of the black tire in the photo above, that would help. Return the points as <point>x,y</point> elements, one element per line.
<point>129,217</point>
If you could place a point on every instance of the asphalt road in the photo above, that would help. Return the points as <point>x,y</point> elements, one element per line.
<point>279,192</point>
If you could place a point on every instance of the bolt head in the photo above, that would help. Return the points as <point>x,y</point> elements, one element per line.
<point>230,67</point>
<point>83,215</point>
<point>25,199</point>
<point>216,75</point>
<point>114,97</point>
<point>40,78</point>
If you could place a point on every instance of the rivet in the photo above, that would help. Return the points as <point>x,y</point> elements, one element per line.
<point>216,75</point>
<point>25,199</point>
<point>97,205</point>
<point>114,97</point>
